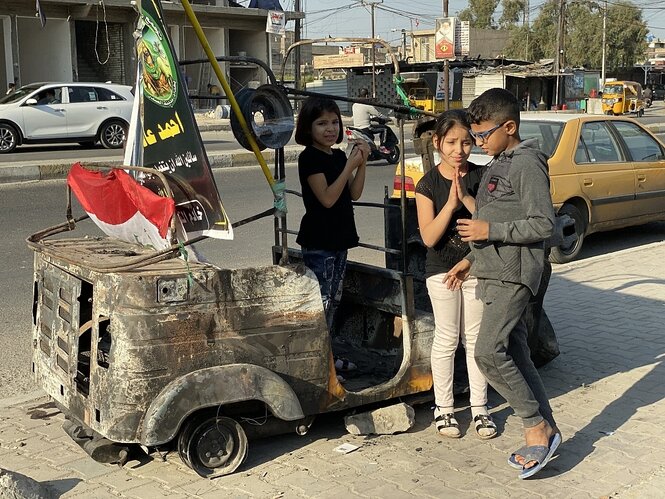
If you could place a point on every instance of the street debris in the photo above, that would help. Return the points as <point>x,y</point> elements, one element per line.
<point>385,421</point>
<point>346,448</point>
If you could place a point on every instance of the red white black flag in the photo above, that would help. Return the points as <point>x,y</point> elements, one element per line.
<point>121,207</point>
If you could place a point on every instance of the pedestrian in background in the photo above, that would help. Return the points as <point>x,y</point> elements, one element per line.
<point>11,86</point>
<point>514,216</point>
<point>443,196</point>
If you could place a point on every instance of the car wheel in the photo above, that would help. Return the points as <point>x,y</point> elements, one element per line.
<point>8,138</point>
<point>113,134</point>
<point>567,253</point>
<point>393,157</point>
<point>212,445</point>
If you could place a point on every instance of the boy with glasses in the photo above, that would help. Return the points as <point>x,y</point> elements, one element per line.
<point>514,216</point>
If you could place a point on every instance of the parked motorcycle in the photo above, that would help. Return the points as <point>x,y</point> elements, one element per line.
<point>387,148</point>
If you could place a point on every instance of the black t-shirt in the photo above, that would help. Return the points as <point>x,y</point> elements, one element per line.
<point>325,228</point>
<point>450,249</point>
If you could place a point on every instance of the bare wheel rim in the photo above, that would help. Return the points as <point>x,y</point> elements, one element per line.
<point>114,134</point>
<point>7,139</point>
<point>213,446</point>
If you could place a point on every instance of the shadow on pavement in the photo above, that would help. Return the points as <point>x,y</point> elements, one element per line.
<point>612,348</point>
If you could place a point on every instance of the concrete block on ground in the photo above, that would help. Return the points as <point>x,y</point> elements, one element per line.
<point>17,486</point>
<point>385,421</point>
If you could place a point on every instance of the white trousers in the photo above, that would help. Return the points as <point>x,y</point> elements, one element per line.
<point>457,315</point>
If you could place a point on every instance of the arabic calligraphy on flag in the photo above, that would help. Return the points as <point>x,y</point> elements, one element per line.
<point>164,134</point>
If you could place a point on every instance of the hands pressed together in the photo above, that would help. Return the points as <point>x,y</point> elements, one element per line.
<point>359,154</point>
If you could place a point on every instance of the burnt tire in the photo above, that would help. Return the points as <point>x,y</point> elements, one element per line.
<point>212,445</point>
<point>113,134</point>
<point>567,253</point>
<point>8,138</point>
<point>393,157</point>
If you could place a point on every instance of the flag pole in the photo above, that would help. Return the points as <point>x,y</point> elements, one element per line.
<point>227,90</point>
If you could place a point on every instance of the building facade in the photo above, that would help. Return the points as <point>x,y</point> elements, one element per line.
<point>94,41</point>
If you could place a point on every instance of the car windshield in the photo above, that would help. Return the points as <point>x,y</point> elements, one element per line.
<point>547,134</point>
<point>613,89</point>
<point>19,94</point>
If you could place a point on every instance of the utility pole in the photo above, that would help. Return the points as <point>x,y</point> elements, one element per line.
<point>297,55</point>
<point>602,71</point>
<point>403,44</point>
<point>559,50</point>
<point>372,7</point>
<point>446,65</point>
<point>525,24</point>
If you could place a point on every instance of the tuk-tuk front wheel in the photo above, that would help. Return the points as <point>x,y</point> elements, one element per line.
<point>212,445</point>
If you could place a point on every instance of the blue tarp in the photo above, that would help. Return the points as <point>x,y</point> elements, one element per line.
<point>265,4</point>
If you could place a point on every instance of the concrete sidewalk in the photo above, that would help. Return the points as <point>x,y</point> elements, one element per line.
<point>606,388</point>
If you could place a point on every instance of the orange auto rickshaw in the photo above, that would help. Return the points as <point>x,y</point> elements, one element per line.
<point>620,97</point>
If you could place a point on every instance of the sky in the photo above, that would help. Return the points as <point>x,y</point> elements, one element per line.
<point>350,18</point>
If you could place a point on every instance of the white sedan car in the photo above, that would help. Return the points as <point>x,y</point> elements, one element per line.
<point>65,112</point>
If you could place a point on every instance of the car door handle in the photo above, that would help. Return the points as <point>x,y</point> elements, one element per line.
<point>588,182</point>
<point>59,110</point>
<point>641,178</point>
<point>102,107</point>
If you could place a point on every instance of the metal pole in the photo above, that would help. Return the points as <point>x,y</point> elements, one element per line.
<point>298,55</point>
<point>373,57</point>
<point>526,25</point>
<point>557,59</point>
<point>602,71</point>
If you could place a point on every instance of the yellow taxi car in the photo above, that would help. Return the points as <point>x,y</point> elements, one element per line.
<point>606,172</point>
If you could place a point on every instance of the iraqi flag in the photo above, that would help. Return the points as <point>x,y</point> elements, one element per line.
<point>123,208</point>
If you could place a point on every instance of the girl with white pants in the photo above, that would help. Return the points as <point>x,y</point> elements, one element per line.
<point>444,195</point>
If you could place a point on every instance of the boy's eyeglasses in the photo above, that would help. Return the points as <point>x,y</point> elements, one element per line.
<point>483,136</point>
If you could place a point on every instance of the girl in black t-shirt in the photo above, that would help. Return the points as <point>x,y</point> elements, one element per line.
<point>329,183</point>
<point>444,195</point>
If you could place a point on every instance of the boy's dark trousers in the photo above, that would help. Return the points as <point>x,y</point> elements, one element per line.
<point>502,352</point>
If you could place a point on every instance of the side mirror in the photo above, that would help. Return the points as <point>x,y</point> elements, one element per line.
<point>31,102</point>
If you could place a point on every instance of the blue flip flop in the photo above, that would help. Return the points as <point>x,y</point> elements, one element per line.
<point>541,454</point>
<point>512,460</point>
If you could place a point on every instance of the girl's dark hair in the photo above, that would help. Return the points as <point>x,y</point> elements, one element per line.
<point>449,119</point>
<point>311,110</point>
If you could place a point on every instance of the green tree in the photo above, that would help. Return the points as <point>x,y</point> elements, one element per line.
<point>480,13</point>
<point>626,35</point>
<point>513,11</point>
<point>582,41</point>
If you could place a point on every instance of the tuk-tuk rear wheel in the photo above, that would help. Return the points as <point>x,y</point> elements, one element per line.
<point>212,445</point>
